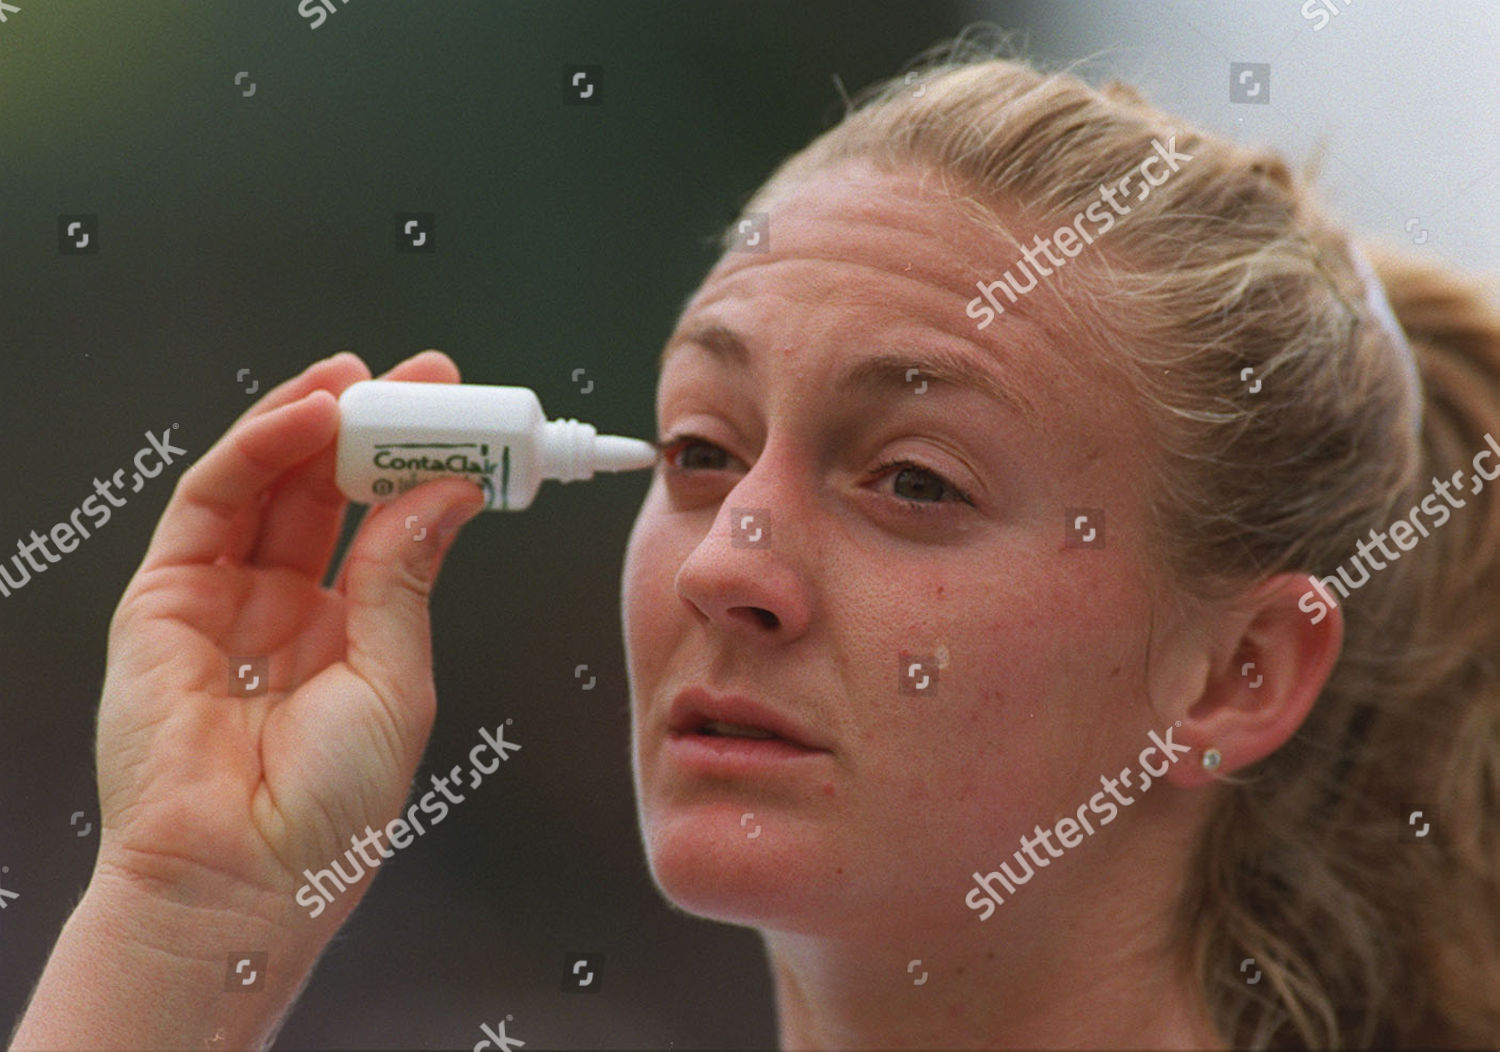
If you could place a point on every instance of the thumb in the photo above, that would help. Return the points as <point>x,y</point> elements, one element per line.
<point>391,569</point>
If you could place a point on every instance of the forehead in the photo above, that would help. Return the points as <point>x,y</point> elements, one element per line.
<point>903,228</point>
<point>885,261</point>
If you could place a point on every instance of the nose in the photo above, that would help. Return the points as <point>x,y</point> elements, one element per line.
<point>748,573</point>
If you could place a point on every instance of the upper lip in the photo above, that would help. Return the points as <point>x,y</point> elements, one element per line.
<point>696,706</point>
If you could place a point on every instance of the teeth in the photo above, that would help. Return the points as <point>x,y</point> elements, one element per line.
<point>734,730</point>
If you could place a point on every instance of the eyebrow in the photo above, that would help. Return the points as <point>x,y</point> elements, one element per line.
<point>886,372</point>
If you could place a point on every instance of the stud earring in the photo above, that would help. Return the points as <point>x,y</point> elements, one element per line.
<point>1211,758</point>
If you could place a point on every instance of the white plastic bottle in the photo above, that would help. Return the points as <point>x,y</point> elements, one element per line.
<point>394,435</point>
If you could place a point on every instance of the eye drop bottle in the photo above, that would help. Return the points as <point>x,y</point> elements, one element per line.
<point>394,435</point>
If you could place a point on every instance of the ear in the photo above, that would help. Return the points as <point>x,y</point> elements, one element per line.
<point>1272,654</point>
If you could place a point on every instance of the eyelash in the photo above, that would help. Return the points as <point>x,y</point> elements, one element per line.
<point>670,444</point>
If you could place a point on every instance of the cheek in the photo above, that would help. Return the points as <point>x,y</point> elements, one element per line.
<point>1036,669</point>
<point>648,596</point>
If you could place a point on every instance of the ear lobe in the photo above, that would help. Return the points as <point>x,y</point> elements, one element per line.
<point>1256,698</point>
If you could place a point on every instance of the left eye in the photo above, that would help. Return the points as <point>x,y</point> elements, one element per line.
<point>925,480</point>
<point>934,483</point>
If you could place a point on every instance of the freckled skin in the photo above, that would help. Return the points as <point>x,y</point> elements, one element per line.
<point>875,846</point>
<point>839,575</point>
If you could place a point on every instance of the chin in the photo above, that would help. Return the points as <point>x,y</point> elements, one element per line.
<point>778,879</point>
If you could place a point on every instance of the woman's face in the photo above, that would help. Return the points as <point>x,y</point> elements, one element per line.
<point>790,365</point>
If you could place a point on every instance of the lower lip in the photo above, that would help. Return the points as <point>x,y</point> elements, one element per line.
<point>725,755</point>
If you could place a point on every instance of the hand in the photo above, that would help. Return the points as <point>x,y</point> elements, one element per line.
<point>222,801</point>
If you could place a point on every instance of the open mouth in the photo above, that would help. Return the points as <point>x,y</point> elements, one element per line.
<point>739,725</point>
<point>721,729</point>
<point>702,742</point>
<point>741,739</point>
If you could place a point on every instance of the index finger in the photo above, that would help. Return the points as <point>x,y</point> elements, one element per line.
<point>331,374</point>
<point>216,500</point>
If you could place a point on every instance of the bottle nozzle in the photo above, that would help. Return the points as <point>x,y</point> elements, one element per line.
<point>572,451</point>
<point>617,453</point>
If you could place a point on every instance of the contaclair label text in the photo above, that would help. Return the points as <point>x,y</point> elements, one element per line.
<point>457,463</point>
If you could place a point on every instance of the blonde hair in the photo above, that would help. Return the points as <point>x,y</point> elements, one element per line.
<point>1229,268</point>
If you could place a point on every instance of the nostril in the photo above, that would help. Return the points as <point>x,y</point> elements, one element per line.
<point>767,618</point>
